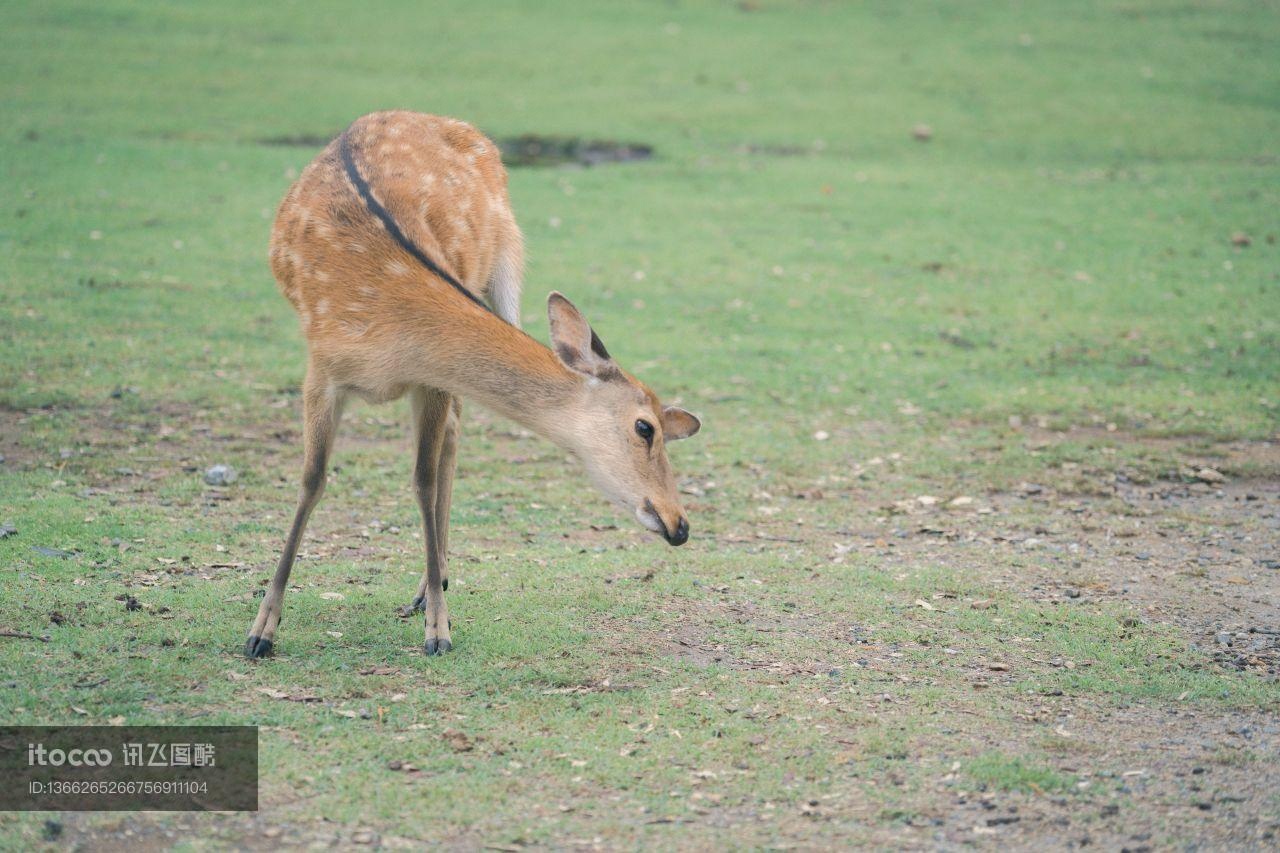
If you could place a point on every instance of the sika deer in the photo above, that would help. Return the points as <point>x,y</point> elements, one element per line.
<point>386,246</point>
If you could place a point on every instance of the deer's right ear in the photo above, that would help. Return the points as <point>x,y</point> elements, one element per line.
<point>574,342</point>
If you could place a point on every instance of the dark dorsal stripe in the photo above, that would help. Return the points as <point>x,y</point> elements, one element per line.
<point>362,188</point>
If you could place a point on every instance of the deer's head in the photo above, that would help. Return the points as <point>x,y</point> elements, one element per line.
<point>622,429</point>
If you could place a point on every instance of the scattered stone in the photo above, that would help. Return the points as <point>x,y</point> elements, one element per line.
<point>132,604</point>
<point>7,529</point>
<point>458,740</point>
<point>961,501</point>
<point>1241,239</point>
<point>220,475</point>
<point>52,552</point>
<point>922,133</point>
<point>1210,475</point>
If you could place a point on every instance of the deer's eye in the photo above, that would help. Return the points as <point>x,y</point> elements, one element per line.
<point>644,429</point>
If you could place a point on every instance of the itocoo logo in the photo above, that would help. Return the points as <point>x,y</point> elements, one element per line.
<point>38,755</point>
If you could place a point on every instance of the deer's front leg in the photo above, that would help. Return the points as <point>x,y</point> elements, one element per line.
<point>321,408</point>
<point>437,427</point>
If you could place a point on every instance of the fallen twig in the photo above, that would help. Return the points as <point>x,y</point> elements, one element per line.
<point>21,635</point>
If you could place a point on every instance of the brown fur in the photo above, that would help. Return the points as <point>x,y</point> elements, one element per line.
<point>380,325</point>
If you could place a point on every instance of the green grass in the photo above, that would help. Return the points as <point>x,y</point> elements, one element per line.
<point>790,262</point>
<point>1014,773</point>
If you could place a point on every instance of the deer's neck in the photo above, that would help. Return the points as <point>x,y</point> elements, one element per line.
<point>479,357</point>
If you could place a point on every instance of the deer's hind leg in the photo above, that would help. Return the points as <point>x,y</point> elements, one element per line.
<point>321,408</point>
<point>437,425</point>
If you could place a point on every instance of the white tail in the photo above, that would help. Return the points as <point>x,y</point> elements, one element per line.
<point>504,283</point>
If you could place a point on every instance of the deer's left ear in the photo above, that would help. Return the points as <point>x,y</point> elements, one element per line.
<point>678,424</point>
<point>575,343</point>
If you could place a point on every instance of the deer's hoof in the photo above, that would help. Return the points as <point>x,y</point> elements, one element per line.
<point>436,647</point>
<point>257,647</point>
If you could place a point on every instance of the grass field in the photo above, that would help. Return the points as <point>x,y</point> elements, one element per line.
<point>986,505</point>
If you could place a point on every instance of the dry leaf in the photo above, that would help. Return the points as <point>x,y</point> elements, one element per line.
<point>379,670</point>
<point>290,697</point>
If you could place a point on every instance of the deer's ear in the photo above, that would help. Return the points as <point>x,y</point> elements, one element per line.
<point>678,424</point>
<point>574,342</point>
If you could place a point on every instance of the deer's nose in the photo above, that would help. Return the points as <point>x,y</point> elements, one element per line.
<point>680,535</point>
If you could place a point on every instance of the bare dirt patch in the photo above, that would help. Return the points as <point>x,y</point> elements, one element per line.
<point>526,150</point>
<point>1196,547</point>
<point>536,150</point>
<point>1141,777</point>
<point>1198,556</point>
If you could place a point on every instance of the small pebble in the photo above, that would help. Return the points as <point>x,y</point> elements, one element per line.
<point>220,475</point>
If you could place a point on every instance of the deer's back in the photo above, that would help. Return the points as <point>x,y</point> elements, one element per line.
<point>444,185</point>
